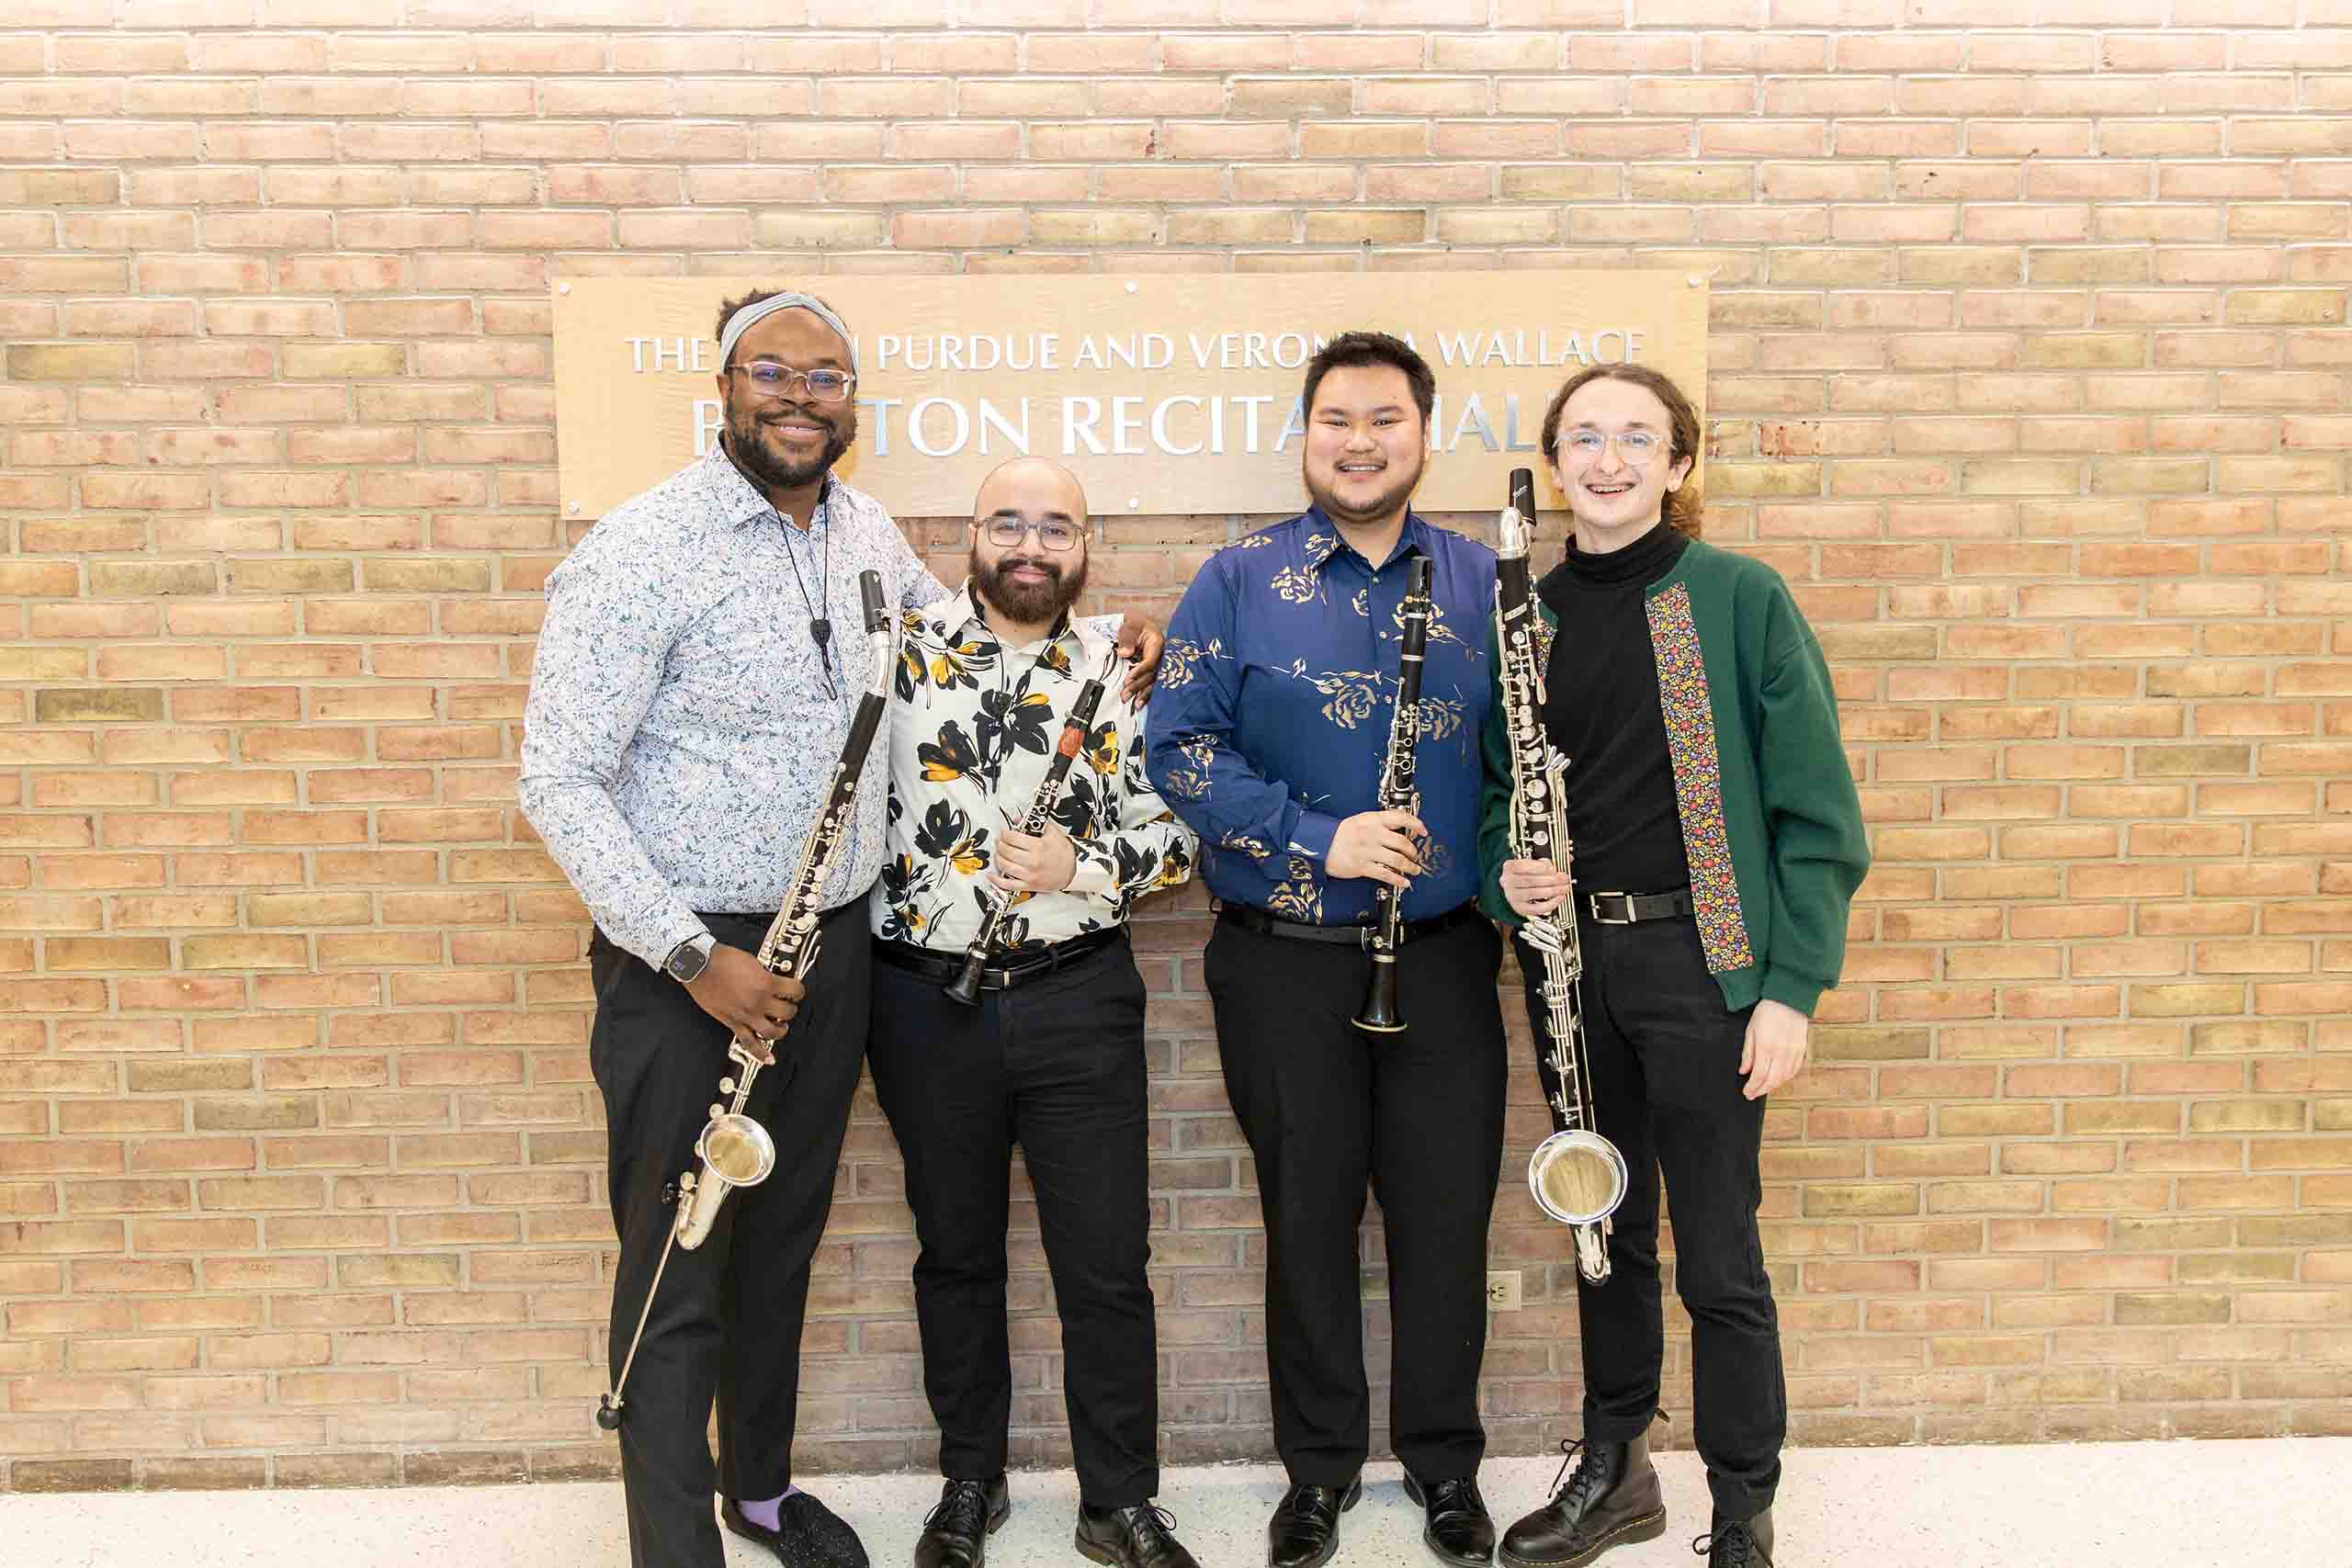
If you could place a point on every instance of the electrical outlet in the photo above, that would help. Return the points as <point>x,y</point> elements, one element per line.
<point>1502,1289</point>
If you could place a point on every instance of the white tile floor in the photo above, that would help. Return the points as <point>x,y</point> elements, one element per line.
<point>2281,1503</point>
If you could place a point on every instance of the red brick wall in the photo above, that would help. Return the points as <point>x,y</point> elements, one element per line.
<point>2029,371</point>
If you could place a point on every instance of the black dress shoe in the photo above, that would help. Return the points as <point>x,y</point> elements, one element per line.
<point>1138,1537</point>
<point>1460,1530</point>
<point>955,1534</point>
<point>1613,1499</point>
<point>1305,1530</point>
<point>1737,1544</point>
<point>808,1534</point>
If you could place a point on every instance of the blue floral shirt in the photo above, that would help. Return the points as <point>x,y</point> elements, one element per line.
<point>1270,724</point>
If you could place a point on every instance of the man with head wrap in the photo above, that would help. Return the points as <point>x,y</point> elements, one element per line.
<point>693,682</point>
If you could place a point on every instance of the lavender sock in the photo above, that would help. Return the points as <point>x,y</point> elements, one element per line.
<point>764,1514</point>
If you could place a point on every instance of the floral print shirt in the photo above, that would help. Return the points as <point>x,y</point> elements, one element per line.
<point>1270,724</point>
<point>971,733</point>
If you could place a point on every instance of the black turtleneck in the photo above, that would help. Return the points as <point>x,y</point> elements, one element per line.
<point>1602,709</point>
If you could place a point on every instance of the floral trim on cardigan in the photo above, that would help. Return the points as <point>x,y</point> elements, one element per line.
<point>1698,780</point>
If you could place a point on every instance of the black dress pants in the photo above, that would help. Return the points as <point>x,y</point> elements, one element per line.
<point>727,1319</point>
<point>1664,1054</point>
<point>1325,1106</point>
<point>1056,1065</point>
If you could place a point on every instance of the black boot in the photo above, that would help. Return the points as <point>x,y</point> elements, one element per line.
<point>1460,1530</point>
<point>1737,1544</point>
<point>1139,1537</point>
<point>955,1534</point>
<point>1613,1498</point>
<point>1305,1530</point>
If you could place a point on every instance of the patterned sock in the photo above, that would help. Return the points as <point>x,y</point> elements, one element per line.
<point>764,1514</point>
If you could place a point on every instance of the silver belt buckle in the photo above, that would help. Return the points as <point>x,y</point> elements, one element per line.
<point>1600,920</point>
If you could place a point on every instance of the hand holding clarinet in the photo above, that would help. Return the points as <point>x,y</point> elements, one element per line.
<point>1029,853</point>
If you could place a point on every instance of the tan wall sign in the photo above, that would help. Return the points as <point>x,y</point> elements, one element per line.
<point>1163,393</point>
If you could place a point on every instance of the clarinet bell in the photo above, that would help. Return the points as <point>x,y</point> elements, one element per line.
<point>965,987</point>
<point>1380,1015</point>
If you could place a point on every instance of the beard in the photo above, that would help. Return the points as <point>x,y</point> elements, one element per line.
<point>1029,603</point>
<point>1384,505</point>
<point>747,444</point>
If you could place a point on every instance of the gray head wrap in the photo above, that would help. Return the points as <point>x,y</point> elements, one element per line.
<point>749,316</point>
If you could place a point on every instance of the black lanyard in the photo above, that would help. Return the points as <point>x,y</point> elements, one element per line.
<point>820,626</point>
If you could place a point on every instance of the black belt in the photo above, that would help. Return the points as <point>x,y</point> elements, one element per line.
<point>1255,919</point>
<point>1016,968</point>
<point>1632,908</point>
<point>768,918</point>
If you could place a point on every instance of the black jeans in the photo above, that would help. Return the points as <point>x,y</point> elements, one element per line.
<point>727,1320</point>
<point>1325,1106</point>
<point>1664,1053</point>
<point>1055,1065</point>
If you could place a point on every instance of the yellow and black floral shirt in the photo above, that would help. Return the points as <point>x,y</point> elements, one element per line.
<point>973,726</point>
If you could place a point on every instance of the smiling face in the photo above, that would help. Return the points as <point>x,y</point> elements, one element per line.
<point>1365,445</point>
<point>789,442</point>
<point>1028,582</point>
<point>1614,495</point>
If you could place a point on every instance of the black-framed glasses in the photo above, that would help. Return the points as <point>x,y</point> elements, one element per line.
<point>773,379</point>
<point>1635,447</point>
<point>1054,532</point>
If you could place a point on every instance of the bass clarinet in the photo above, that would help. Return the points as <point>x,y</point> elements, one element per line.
<point>1397,793</point>
<point>1577,1175</point>
<point>966,987</point>
<point>734,1149</point>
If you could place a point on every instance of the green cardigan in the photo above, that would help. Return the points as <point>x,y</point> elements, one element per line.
<point>1771,825</point>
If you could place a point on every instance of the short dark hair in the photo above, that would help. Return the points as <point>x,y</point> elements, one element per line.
<point>1682,506</point>
<point>727,308</point>
<point>1351,350</point>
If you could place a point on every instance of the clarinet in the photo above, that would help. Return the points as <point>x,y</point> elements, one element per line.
<point>1577,1176</point>
<point>1397,793</point>
<point>734,1150</point>
<point>966,987</point>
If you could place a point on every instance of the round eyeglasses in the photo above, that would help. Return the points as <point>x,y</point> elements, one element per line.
<point>1635,447</point>
<point>772,380</point>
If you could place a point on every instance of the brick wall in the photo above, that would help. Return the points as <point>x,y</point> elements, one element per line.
<point>2029,371</point>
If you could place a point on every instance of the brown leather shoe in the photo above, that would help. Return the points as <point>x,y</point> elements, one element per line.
<point>1614,1499</point>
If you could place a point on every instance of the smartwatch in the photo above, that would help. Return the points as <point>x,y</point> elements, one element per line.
<point>689,959</point>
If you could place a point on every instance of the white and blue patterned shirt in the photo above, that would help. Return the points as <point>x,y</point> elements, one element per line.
<point>680,733</point>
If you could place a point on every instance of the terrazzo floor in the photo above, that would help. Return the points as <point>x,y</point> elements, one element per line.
<point>2284,1503</point>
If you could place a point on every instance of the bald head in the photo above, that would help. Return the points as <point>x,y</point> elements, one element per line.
<point>1029,541</point>
<point>1034,487</point>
